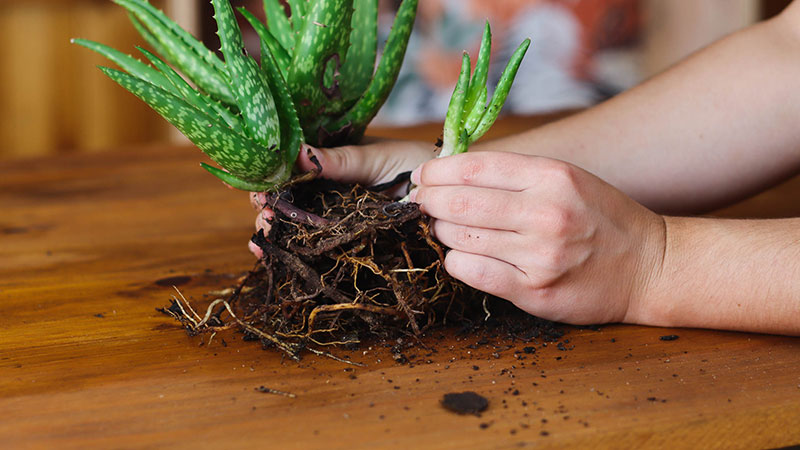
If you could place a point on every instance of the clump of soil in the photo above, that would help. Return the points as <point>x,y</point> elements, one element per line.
<point>343,263</point>
<point>465,402</point>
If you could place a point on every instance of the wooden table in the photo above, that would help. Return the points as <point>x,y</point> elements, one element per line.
<point>90,246</point>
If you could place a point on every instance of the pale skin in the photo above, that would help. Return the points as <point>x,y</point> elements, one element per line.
<point>569,221</point>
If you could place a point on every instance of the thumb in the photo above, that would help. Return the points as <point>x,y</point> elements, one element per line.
<point>345,164</point>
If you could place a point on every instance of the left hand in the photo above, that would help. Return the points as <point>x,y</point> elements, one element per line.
<point>375,161</point>
<point>552,238</point>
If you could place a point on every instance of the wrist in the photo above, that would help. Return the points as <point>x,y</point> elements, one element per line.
<point>644,307</point>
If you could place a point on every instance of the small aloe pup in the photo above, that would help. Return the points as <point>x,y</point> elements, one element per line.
<point>317,82</point>
<point>468,115</point>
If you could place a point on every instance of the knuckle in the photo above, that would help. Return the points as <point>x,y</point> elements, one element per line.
<point>459,205</point>
<point>558,221</point>
<point>471,169</point>
<point>475,275</point>
<point>483,278</point>
<point>554,258</point>
<point>561,174</point>
<point>341,160</point>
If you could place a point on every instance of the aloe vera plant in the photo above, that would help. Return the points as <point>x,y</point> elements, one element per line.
<point>469,117</point>
<point>318,81</point>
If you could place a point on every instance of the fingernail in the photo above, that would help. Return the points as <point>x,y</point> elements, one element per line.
<point>415,175</point>
<point>267,214</point>
<point>412,196</point>
<point>314,156</point>
<point>311,151</point>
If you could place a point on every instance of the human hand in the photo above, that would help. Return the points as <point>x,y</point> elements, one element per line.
<point>550,237</point>
<point>377,161</point>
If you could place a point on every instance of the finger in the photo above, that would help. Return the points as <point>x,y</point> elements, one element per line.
<point>255,249</point>
<point>366,164</point>
<point>263,220</point>
<point>496,170</point>
<point>499,244</point>
<point>258,200</point>
<point>345,164</point>
<point>472,206</point>
<point>486,274</point>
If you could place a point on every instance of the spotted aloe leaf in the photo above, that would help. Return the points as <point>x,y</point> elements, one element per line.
<point>351,126</point>
<point>316,80</point>
<point>468,115</point>
<point>180,48</point>
<point>359,63</point>
<point>130,64</point>
<point>194,98</point>
<point>298,13</point>
<point>242,156</point>
<point>291,132</point>
<point>500,93</point>
<point>147,35</point>
<point>279,23</point>
<point>451,138</point>
<point>478,81</point>
<point>268,40</point>
<point>249,90</point>
<point>321,44</point>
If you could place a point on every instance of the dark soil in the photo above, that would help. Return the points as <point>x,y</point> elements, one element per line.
<point>344,263</point>
<point>465,402</point>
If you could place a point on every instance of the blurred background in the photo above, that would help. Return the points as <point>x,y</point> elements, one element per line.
<point>54,100</point>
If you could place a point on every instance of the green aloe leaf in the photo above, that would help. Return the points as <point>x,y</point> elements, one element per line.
<point>238,154</point>
<point>478,81</point>
<point>452,142</point>
<point>278,23</point>
<point>180,48</point>
<point>384,78</point>
<point>236,182</point>
<point>174,29</point>
<point>129,64</point>
<point>291,131</point>
<point>249,90</point>
<point>194,98</point>
<point>476,113</point>
<point>298,16</point>
<point>359,63</point>
<point>267,39</point>
<point>323,41</point>
<point>147,35</point>
<point>500,92</point>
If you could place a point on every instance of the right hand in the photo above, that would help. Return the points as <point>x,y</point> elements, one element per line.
<point>374,162</point>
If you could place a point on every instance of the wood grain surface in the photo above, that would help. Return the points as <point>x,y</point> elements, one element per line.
<point>90,245</point>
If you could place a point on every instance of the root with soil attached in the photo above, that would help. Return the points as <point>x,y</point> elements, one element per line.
<point>340,263</point>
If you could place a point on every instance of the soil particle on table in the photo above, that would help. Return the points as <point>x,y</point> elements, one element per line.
<point>173,281</point>
<point>465,402</point>
<point>669,337</point>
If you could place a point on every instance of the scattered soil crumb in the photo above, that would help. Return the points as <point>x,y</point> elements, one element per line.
<point>266,390</point>
<point>465,402</point>
<point>174,281</point>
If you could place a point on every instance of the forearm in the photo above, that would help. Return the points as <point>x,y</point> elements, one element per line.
<point>726,274</point>
<point>715,128</point>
